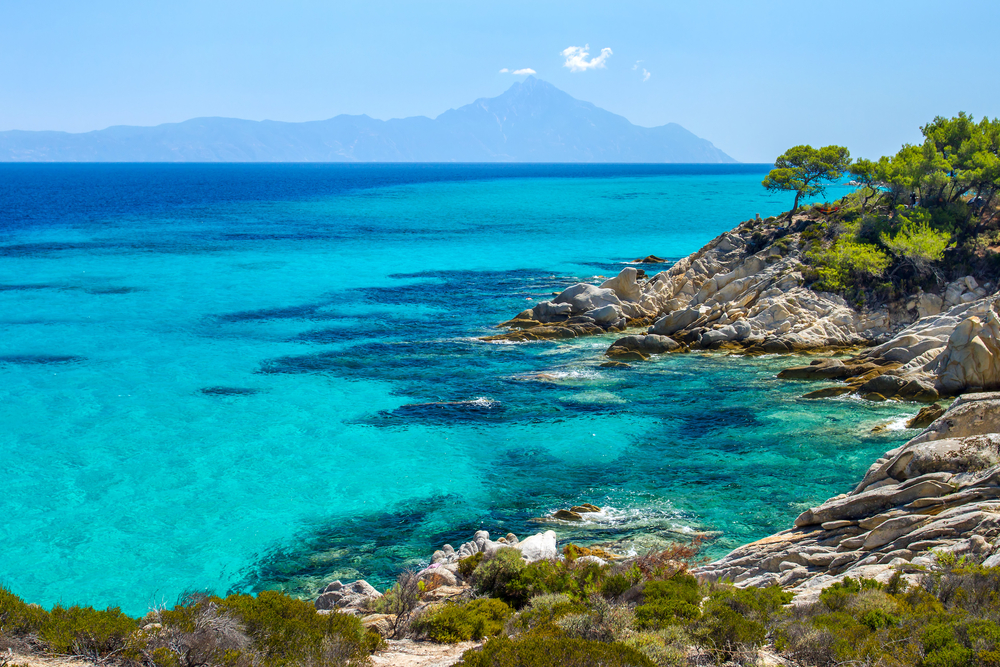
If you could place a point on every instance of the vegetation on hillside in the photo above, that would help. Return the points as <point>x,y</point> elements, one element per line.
<point>917,219</point>
<point>236,631</point>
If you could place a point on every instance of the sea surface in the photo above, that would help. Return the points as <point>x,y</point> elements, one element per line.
<point>243,377</point>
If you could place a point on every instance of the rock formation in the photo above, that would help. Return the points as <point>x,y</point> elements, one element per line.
<point>746,291</point>
<point>937,494</point>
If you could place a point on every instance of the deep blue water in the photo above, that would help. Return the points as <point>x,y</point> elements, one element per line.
<point>237,377</point>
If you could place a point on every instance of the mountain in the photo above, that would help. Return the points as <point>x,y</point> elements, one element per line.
<point>532,122</point>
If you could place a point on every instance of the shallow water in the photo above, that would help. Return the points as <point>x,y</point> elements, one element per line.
<point>241,377</point>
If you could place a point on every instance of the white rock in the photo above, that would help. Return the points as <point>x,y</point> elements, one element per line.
<point>539,547</point>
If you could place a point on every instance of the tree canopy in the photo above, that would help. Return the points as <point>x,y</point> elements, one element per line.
<point>805,170</point>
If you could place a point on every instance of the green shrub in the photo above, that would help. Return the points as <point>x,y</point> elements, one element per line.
<point>452,622</point>
<point>845,262</point>
<point>498,575</point>
<point>468,565</point>
<point>602,621</point>
<point>669,601</point>
<point>532,651</point>
<point>542,612</point>
<point>915,242</point>
<point>665,648</point>
<point>17,617</point>
<point>735,621</point>
<point>88,632</point>
<point>617,583</point>
<point>505,575</point>
<point>286,630</point>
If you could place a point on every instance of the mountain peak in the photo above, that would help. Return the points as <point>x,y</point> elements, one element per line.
<point>532,121</point>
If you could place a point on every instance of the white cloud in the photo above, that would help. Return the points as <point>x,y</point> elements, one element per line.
<point>636,65</point>
<point>645,75</point>
<point>526,70</point>
<point>576,58</point>
<point>504,70</point>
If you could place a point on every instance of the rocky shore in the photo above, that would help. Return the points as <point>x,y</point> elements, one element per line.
<point>745,292</point>
<point>933,501</point>
<point>936,497</point>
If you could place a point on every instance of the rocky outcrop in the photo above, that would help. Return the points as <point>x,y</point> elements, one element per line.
<point>939,493</point>
<point>944,354</point>
<point>744,289</point>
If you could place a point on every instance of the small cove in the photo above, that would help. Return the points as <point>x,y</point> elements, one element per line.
<point>235,378</point>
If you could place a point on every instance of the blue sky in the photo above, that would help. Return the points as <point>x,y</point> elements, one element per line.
<point>752,77</point>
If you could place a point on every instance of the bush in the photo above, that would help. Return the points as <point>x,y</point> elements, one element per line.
<point>286,630</point>
<point>498,575</point>
<point>735,621</point>
<point>88,632</point>
<point>531,651</point>
<point>845,262</point>
<point>245,631</point>
<point>617,583</point>
<point>468,565</point>
<point>505,575</point>
<point>17,617</point>
<point>456,622</point>
<point>916,243</point>
<point>543,611</point>
<point>670,601</point>
<point>665,648</point>
<point>400,601</point>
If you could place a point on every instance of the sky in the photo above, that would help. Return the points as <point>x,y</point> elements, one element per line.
<point>752,77</point>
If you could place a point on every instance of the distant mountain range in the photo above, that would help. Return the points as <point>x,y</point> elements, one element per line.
<point>532,122</point>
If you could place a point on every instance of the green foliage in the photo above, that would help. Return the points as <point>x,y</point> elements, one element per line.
<point>452,623</point>
<point>915,242</point>
<point>804,170</point>
<point>533,651</point>
<point>617,583</point>
<point>846,261</point>
<point>666,648</point>
<point>286,630</point>
<point>541,613</point>
<point>735,621</point>
<point>17,617</point>
<point>505,575</point>
<point>668,602</point>
<point>951,621</point>
<point>468,565</point>
<point>87,631</point>
<point>498,575</point>
<point>602,621</point>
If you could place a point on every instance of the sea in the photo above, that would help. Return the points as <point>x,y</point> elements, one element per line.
<point>236,378</point>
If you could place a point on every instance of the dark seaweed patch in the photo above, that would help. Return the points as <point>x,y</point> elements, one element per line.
<point>19,288</point>
<point>229,391</point>
<point>306,311</point>
<point>40,359</point>
<point>449,411</point>
<point>110,290</point>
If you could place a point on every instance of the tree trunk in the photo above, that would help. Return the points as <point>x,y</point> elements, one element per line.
<point>795,206</point>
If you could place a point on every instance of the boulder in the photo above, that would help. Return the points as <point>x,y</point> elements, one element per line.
<point>625,285</point>
<point>346,596</point>
<point>648,344</point>
<point>926,416</point>
<point>548,311</point>
<point>583,298</point>
<point>606,315</point>
<point>541,546</point>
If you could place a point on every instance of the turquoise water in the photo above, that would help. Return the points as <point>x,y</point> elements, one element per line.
<point>246,377</point>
